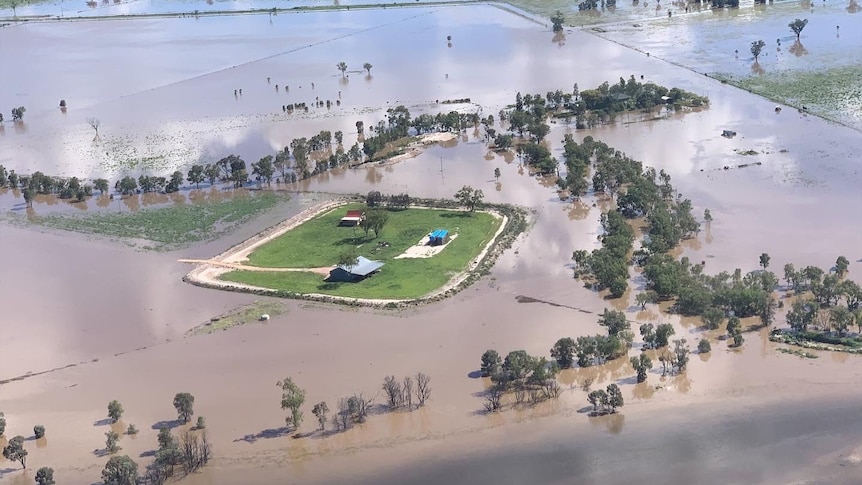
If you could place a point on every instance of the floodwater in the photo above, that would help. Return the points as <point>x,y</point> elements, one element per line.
<point>718,43</point>
<point>69,299</point>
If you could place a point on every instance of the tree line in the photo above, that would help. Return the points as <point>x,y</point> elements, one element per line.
<point>639,193</point>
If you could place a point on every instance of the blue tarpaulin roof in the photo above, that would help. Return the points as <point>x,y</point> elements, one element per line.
<point>439,234</point>
<point>363,266</point>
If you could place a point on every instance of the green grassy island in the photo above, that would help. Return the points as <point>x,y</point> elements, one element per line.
<point>320,243</point>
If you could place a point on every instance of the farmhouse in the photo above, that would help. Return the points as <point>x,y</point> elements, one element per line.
<point>363,268</point>
<point>353,218</point>
<point>438,237</point>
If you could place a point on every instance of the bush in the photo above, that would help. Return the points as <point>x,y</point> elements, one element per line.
<point>132,430</point>
<point>39,431</point>
<point>704,347</point>
<point>45,476</point>
<point>201,424</point>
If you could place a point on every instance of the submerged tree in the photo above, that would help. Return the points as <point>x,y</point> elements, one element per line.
<point>342,66</point>
<point>292,398</point>
<point>45,476</point>
<point>558,20</point>
<point>367,66</point>
<point>756,48</point>
<point>184,404</point>
<point>120,470</point>
<point>14,451</point>
<point>797,26</point>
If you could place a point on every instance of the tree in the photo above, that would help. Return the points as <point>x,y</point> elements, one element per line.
<point>641,364</point>
<point>615,397</point>
<point>491,363</point>
<point>14,451</point>
<point>131,430</point>
<point>470,198</point>
<point>94,124</point>
<point>662,334</point>
<point>2,424</point>
<point>211,172</point>
<point>18,114</point>
<point>564,352</point>
<point>734,326</point>
<point>712,317</point>
<point>558,20</point>
<point>703,347</point>
<point>647,331</point>
<point>320,411</point>
<point>841,319</point>
<point>598,399</point>
<point>101,185</point>
<point>292,397</point>
<point>615,321</point>
<point>801,315</point>
<point>497,174</point>
<point>764,261</point>
<point>756,48</point>
<point>264,169</point>
<point>175,182</point>
<point>196,175</point>
<point>423,388</point>
<point>841,265</point>
<point>738,340</point>
<point>375,219</point>
<point>393,391</point>
<point>120,470</point>
<point>28,196</point>
<point>707,216</point>
<point>342,66</point>
<point>797,26</point>
<point>127,185</point>
<point>348,258</point>
<point>339,137</point>
<point>201,424</point>
<point>681,353</point>
<point>39,431</point>
<point>45,476</point>
<point>184,404</point>
<point>111,439</point>
<point>367,66</point>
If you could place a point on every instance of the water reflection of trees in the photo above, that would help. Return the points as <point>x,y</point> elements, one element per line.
<point>559,39</point>
<point>613,423</point>
<point>798,49</point>
<point>757,68</point>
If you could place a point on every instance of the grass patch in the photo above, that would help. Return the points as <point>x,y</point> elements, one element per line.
<point>239,316</point>
<point>818,341</point>
<point>169,227</point>
<point>798,353</point>
<point>832,93</point>
<point>318,242</point>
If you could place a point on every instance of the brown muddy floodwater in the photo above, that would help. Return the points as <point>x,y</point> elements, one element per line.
<point>69,299</point>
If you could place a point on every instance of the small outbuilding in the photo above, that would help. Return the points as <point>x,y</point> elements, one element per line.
<point>352,218</point>
<point>438,237</point>
<point>363,268</point>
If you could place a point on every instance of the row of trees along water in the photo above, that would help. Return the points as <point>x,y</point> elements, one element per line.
<point>304,157</point>
<point>524,379</point>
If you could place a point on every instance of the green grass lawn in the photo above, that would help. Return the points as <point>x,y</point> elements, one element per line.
<point>318,242</point>
<point>169,226</point>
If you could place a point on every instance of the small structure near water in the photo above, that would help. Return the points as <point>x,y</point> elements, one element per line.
<point>363,268</point>
<point>352,218</point>
<point>438,237</point>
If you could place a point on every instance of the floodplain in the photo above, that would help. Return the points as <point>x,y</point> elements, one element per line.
<point>87,320</point>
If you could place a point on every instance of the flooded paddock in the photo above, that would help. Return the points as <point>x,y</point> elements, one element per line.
<point>71,299</point>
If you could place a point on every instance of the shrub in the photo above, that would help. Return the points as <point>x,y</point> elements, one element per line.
<point>132,430</point>
<point>703,346</point>
<point>39,431</point>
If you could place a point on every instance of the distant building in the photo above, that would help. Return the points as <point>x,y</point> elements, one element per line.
<point>363,268</point>
<point>352,218</point>
<point>438,237</point>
